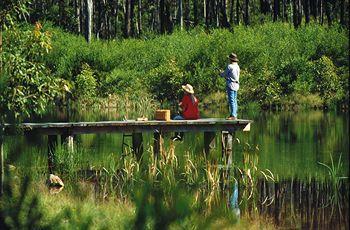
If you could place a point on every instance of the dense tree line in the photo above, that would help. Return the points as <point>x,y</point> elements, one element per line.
<point>109,19</point>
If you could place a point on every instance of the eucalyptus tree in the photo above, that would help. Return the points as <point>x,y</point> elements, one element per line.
<point>180,14</point>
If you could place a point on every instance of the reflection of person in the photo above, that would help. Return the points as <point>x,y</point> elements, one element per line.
<point>234,200</point>
<point>231,74</point>
<point>189,107</point>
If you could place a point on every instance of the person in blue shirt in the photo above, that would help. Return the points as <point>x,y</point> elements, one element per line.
<point>231,74</point>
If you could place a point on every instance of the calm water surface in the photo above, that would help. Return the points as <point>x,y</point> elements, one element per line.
<point>290,144</point>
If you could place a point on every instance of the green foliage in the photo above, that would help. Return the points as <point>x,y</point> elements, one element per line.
<point>85,83</point>
<point>21,211</point>
<point>26,84</point>
<point>326,81</point>
<point>119,81</point>
<point>11,11</point>
<point>264,87</point>
<point>165,81</point>
<point>276,61</point>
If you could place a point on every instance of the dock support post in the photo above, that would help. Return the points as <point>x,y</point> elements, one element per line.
<point>158,141</point>
<point>68,139</point>
<point>2,165</point>
<point>52,143</point>
<point>209,142</point>
<point>137,145</point>
<point>226,144</point>
<point>70,143</point>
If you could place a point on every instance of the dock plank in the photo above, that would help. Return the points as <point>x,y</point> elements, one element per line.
<point>205,124</point>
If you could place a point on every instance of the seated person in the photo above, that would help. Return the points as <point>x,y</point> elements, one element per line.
<point>189,107</point>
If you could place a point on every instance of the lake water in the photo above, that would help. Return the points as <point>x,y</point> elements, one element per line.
<point>292,145</point>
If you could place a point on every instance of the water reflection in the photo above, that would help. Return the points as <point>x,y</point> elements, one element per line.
<point>294,203</point>
<point>234,200</point>
<point>291,146</point>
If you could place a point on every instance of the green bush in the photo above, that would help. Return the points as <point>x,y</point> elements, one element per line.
<point>276,61</point>
<point>326,82</point>
<point>119,80</point>
<point>26,84</point>
<point>165,81</point>
<point>85,84</point>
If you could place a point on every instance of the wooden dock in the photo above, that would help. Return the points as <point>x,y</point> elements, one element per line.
<point>200,125</point>
<point>67,131</point>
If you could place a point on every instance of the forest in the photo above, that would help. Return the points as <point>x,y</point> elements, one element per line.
<point>111,19</point>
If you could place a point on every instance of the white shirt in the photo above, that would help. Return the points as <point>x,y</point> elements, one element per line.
<point>231,74</point>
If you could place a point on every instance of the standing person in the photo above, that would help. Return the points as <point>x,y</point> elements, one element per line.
<point>189,107</point>
<point>231,74</point>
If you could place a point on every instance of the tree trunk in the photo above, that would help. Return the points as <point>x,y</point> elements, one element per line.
<point>205,11</point>
<point>180,14</point>
<point>169,20</point>
<point>88,20</point>
<point>195,12</point>
<point>105,30</point>
<point>295,16</point>
<point>187,13</point>
<point>127,19</point>
<point>0,48</point>
<point>211,12</point>
<point>232,6</point>
<point>132,17</point>
<point>166,17</point>
<point>223,18</point>
<point>276,10</point>
<point>265,6</point>
<point>313,9</point>
<point>77,15</point>
<point>82,16</point>
<point>62,12</point>
<point>116,22</point>
<point>300,12</point>
<point>246,13</point>
<point>237,12</point>
<point>321,11</point>
<point>328,6</point>
<point>307,11</point>
<point>99,19</point>
<point>162,16</point>
<point>284,10</point>
<point>139,18</point>
<point>342,18</point>
<point>217,12</point>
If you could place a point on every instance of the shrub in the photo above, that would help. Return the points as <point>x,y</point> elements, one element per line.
<point>165,81</point>
<point>273,51</point>
<point>326,82</point>
<point>85,84</point>
<point>26,84</point>
<point>120,80</point>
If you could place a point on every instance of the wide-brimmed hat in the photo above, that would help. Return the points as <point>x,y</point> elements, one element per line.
<point>188,88</point>
<point>233,57</point>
